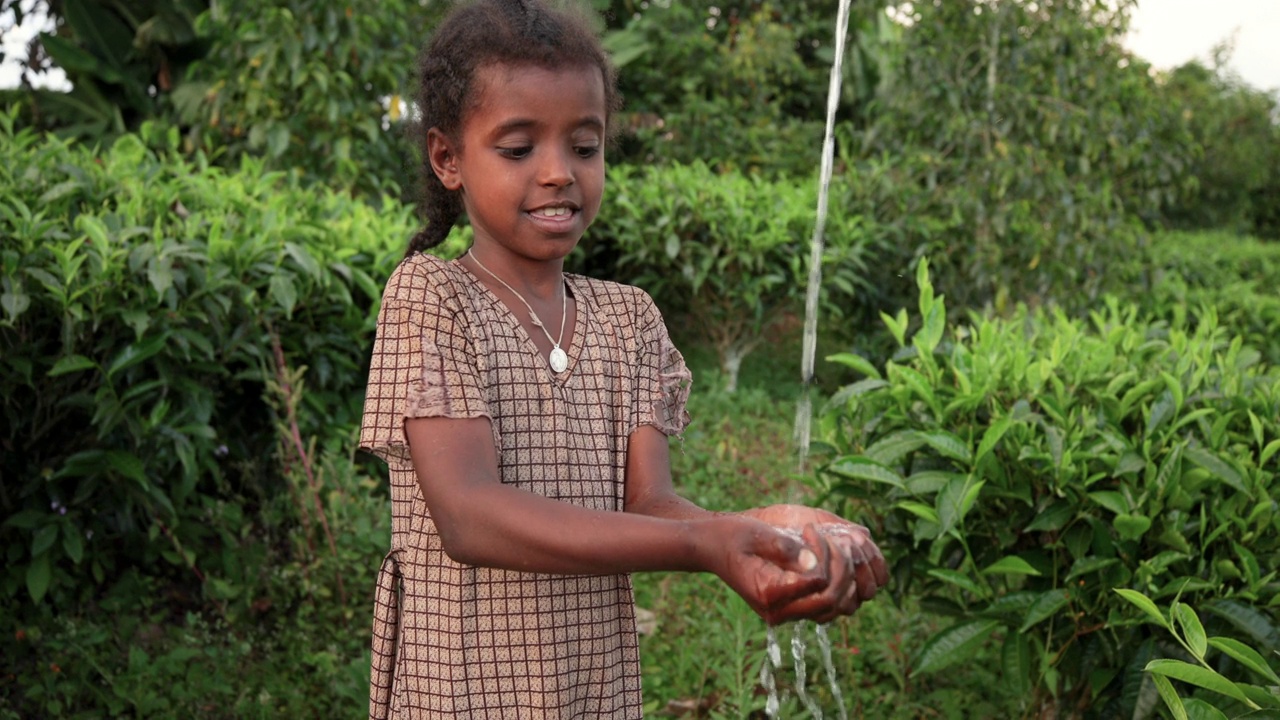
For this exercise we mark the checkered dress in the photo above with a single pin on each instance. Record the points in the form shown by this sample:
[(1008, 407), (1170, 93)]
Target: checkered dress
[(465, 641)]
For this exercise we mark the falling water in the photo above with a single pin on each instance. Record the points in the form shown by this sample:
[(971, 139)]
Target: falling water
[(824, 644), (772, 666), (797, 657), (768, 673), (804, 409)]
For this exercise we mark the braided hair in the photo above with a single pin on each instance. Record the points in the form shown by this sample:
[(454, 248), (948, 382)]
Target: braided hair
[(488, 32)]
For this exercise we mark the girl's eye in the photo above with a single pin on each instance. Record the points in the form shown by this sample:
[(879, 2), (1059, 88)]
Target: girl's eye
[(586, 151), (515, 153)]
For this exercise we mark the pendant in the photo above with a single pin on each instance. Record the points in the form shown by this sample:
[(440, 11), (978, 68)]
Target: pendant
[(559, 361)]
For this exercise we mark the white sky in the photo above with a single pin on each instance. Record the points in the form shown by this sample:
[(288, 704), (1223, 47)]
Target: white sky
[(1165, 32), (1170, 32)]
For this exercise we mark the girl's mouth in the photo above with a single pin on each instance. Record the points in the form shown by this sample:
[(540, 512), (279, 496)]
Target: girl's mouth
[(551, 212)]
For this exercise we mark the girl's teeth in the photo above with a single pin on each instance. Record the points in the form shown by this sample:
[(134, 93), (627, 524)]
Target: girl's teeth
[(552, 212)]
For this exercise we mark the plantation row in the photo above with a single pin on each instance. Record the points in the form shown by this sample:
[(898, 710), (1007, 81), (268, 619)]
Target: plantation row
[(160, 319)]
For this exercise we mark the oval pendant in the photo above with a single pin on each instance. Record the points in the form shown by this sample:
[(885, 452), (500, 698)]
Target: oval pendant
[(559, 361)]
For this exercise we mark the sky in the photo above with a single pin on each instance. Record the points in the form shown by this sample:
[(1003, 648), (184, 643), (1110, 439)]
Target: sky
[(1165, 32), (1170, 32)]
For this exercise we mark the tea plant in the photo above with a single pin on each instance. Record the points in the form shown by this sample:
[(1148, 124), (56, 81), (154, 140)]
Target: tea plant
[(1019, 469), (1240, 698)]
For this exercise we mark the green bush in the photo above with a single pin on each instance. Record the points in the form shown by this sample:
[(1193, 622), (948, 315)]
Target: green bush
[(728, 251), (145, 304), (1236, 276), (1019, 469)]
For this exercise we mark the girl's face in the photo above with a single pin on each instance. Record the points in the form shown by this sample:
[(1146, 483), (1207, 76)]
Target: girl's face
[(530, 162)]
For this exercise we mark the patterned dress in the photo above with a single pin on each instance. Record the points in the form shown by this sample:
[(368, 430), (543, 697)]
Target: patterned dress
[(453, 640)]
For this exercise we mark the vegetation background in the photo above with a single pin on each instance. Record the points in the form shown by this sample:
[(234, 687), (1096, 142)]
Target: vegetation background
[(1049, 303)]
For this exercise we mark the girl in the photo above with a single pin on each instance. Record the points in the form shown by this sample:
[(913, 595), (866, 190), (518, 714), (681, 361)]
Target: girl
[(524, 412)]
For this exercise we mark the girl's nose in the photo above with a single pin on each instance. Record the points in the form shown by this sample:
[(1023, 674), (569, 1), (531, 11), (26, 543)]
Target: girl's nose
[(556, 170)]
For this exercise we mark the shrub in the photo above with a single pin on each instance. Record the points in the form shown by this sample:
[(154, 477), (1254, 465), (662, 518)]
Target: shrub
[(1020, 469), (728, 250), (145, 302)]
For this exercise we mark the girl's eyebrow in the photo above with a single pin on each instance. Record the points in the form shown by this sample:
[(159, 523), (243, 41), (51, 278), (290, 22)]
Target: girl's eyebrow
[(594, 122)]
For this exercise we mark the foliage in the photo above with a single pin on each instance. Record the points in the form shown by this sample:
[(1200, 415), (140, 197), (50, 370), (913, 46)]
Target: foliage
[(288, 648), (728, 250), (121, 60), (1019, 469), (1185, 626), (146, 302), (1236, 130), (1026, 137), (1235, 276), (310, 84)]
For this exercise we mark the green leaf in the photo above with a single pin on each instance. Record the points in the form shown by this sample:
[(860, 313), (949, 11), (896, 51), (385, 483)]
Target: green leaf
[(955, 500), (1200, 677), (856, 467), (71, 363), (889, 450), (1246, 656), (1260, 628), (72, 544), (128, 465), (916, 382), (137, 352), (39, 573), (1010, 565), (960, 580), (1192, 629), (44, 539), (1131, 527), (947, 445), (1111, 500), (277, 139), (1271, 449), (1015, 663), (1218, 468), (956, 644), (283, 291), (1054, 517), (920, 510), (1170, 697), (991, 437), (1049, 603), (1198, 709), (857, 362)]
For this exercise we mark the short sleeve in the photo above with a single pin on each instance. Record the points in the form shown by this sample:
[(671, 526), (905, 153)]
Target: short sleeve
[(662, 378), (424, 362)]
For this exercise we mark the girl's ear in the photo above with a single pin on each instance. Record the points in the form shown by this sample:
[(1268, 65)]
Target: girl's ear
[(444, 159)]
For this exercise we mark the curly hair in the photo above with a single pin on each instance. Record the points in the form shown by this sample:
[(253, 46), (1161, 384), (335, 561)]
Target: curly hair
[(476, 35)]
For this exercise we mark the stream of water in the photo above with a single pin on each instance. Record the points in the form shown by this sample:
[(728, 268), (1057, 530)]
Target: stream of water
[(772, 667)]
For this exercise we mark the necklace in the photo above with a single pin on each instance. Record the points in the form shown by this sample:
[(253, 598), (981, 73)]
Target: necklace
[(557, 358)]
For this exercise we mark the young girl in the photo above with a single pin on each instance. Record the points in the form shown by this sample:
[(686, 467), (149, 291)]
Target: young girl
[(524, 412)]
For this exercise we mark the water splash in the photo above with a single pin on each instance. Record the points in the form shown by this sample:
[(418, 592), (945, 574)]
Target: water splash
[(768, 673), (824, 645), (804, 409), (797, 658)]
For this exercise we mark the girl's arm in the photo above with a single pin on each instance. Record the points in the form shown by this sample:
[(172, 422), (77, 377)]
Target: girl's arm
[(483, 522)]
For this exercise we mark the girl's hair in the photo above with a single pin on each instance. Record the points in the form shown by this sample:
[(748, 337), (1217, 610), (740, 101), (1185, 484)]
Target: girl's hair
[(479, 34)]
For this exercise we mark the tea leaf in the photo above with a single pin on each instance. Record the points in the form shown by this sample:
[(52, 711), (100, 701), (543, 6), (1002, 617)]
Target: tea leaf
[(991, 437), (857, 362), (1261, 629), (920, 510), (284, 292), (947, 445), (1200, 677), (1218, 468), (1146, 605), (1170, 697), (38, 575), (71, 363), (1048, 604), (890, 449), (1246, 656), (1111, 500), (1192, 630), (1270, 450), (1131, 527), (960, 580), (1198, 709), (135, 353), (955, 644), (73, 545), (1010, 565), (1015, 662), (863, 468)]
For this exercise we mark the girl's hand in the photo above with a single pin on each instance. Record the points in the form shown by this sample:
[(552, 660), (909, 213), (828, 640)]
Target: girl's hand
[(770, 569), (856, 571)]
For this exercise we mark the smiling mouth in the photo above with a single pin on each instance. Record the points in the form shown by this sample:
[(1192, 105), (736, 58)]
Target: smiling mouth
[(551, 212)]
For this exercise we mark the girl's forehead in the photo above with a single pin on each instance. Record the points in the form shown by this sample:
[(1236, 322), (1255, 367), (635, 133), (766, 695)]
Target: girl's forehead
[(507, 85)]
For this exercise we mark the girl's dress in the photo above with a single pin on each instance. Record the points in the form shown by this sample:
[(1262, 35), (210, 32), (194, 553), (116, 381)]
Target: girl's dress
[(459, 640)]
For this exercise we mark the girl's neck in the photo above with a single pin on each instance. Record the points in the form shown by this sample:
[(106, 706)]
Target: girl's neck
[(534, 279)]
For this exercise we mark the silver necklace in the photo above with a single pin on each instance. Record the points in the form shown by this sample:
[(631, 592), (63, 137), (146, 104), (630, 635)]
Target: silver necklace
[(557, 359)]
